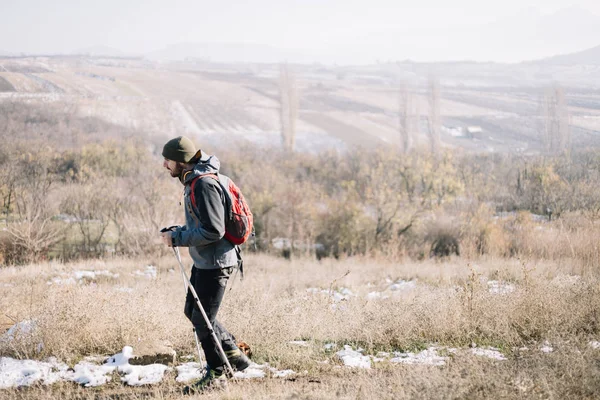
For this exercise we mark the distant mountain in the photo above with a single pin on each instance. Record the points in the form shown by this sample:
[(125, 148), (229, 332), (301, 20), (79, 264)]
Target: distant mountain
[(102, 51), (229, 52), (589, 56)]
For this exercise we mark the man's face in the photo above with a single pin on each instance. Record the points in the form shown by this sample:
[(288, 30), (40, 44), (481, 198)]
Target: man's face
[(173, 167)]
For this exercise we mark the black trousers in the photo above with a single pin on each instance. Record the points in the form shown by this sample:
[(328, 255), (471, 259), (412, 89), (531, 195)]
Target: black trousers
[(210, 286)]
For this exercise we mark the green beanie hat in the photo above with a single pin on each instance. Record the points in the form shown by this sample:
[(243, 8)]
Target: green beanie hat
[(180, 149)]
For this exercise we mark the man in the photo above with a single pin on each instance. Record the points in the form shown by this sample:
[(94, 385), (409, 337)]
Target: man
[(214, 256)]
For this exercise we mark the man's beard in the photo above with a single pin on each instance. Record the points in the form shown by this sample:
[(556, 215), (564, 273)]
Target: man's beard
[(176, 172)]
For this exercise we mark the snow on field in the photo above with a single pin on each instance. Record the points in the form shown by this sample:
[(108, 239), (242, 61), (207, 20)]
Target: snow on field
[(189, 371), (17, 373), (80, 276), (546, 348), (138, 375), (402, 284), (329, 346), (62, 281), (354, 358), (396, 287), (595, 345), (302, 343), (431, 356), (489, 352), (376, 296), (336, 295), (260, 371), (149, 271), (392, 288), (427, 357)]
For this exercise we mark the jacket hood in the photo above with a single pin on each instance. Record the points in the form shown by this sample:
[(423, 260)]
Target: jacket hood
[(206, 165)]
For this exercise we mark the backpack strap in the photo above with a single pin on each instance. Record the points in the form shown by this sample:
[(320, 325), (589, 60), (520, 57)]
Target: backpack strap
[(193, 184)]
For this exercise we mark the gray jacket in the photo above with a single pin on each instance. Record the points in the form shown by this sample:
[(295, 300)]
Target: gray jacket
[(205, 220)]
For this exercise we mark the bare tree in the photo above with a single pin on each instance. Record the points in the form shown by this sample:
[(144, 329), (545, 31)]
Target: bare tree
[(32, 230), (288, 102), (404, 117), (434, 121), (555, 132), (90, 205)]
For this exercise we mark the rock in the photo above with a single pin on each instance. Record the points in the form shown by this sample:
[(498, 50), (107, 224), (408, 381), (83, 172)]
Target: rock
[(153, 352)]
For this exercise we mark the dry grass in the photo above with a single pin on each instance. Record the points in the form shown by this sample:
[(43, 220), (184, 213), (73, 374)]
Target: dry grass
[(450, 306)]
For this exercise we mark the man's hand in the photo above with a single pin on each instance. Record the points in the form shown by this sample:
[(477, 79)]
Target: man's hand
[(166, 237)]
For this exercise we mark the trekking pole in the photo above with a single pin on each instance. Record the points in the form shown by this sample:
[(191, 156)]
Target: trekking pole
[(208, 324), (185, 288)]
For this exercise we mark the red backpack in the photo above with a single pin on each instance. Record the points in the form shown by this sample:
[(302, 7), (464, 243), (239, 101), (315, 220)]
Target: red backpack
[(238, 217)]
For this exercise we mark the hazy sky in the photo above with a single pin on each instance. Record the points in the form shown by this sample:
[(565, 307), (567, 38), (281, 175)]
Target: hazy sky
[(344, 30)]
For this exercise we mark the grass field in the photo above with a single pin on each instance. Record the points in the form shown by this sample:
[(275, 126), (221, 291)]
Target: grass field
[(542, 318)]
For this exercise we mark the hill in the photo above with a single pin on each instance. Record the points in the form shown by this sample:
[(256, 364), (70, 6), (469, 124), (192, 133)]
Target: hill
[(339, 107), (585, 57)]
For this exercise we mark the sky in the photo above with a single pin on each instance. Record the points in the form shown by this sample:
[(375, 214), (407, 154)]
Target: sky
[(341, 31)]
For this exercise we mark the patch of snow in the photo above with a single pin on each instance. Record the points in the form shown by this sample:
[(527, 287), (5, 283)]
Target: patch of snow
[(301, 343), (16, 373), (92, 275), (121, 358), (189, 371), (61, 281), (498, 287), (426, 357), (454, 131), (254, 371), (192, 370), (376, 296), (354, 359), (490, 352), (329, 346), (81, 275), (546, 348), (138, 375), (284, 373), (594, 344), (90, 375), (336, 295), (401, 284), (149, 272)]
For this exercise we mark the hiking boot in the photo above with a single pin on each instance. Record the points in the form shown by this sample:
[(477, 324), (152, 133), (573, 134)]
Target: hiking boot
[(238, 360), (212, 379)]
